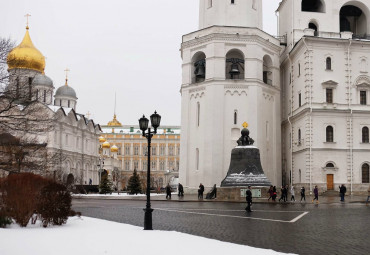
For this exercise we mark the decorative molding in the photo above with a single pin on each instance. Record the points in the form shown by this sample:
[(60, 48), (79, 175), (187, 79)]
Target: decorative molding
[(362, 81), (268, 96), (197, 89), (238, 92)]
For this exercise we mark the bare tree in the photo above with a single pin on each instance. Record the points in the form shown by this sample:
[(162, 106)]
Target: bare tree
[(28, 155), (5, 46)]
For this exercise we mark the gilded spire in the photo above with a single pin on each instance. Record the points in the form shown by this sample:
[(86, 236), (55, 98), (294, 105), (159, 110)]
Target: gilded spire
[(67, 70)]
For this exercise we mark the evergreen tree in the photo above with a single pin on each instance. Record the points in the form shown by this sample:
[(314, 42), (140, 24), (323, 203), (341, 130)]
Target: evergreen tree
[(105, 185), (134, 184)]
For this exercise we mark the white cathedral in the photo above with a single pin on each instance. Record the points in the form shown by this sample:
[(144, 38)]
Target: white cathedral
[(303, 93), (74, 136)]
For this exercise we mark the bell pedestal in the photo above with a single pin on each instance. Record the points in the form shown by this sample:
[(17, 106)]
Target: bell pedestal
[(245, 168)]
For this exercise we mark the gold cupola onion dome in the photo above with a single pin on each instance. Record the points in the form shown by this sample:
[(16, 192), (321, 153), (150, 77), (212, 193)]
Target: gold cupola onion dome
[(106, 145), (114, 148), (26, 56), (101, 139), (114, 122)]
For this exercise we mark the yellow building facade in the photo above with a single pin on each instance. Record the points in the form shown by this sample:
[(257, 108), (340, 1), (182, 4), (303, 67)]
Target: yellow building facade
[(128, 147)]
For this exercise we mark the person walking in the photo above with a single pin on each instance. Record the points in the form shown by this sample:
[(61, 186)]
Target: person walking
[(292, 193), (303, 194), (282, 195), (181, 190), (286, 193), (271, 193), (168, 191), (248, 197), (275, 194), (316, 193), (200, 191), (368, 195), (342, 192)]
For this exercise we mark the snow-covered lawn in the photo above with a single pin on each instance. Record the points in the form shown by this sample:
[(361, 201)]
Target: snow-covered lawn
[(95, 237)]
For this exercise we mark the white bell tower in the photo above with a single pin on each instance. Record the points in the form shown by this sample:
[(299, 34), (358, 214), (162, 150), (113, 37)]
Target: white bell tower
[(230, 74), (238, 13)]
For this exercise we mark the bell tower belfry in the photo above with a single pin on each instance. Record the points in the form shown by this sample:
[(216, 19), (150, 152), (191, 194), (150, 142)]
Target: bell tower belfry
[(230, 74), (241, 13)]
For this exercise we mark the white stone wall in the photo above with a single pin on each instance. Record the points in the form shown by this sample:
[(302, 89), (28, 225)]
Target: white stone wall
[(219, 97), (243, 13)]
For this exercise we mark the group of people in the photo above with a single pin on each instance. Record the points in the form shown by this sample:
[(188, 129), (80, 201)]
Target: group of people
[(284, 193)]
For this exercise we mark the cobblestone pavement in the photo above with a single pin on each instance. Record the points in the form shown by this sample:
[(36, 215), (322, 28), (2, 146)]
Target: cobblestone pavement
[(295, 228)]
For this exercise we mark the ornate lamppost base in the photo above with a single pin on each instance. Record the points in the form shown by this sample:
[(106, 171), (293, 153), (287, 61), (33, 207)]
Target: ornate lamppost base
[(148, 219)]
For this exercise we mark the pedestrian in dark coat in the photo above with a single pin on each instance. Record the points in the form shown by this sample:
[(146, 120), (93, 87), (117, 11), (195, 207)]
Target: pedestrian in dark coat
[(181, 190), (282, 197), (342, 192), (275, 194), (303, 194), (200, 191), (316, 193), (248, 197), (168, 191), (271, 193)]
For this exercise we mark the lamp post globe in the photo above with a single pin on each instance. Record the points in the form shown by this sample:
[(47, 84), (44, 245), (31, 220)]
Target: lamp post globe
[(155, 119), (143, 123)]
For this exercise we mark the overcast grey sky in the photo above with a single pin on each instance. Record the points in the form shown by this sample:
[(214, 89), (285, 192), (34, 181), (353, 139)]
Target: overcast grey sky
[(122, 46)]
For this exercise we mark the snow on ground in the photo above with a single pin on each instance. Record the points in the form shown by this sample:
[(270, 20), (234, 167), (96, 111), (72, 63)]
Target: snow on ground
[(95, 237)]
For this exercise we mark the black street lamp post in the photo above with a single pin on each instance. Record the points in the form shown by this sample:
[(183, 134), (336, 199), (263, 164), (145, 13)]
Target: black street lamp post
[(155, 119)]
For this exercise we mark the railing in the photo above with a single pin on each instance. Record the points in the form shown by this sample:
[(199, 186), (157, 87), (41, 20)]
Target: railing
[(363, 37), (282, 39)]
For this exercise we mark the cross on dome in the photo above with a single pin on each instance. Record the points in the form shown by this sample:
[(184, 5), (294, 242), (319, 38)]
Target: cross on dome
[(66, 70), (27, 15)]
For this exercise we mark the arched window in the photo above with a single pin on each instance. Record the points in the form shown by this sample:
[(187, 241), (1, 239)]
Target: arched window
[(365, 135), (199, 67), (330, 165), (353, 19), (313, 26), (328, 63), (234, 65), (313, 6), (365, 173), (198, 114), (235, 117), (267, 70), (329, 134)]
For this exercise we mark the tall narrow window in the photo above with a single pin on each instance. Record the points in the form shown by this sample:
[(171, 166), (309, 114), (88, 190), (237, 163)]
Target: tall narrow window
[(329, 134), (37, 94), (328, 63), (235, 117), (299, 69), (198, 114), (209, 3), (17, 88), (365, 173), (299, 100), (44, 96), (329, 96), (69, 103), (299, 136), (365, 135), (197, 158), (363, 99)]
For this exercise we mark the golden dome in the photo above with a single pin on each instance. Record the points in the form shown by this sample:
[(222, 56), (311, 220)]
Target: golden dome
[(114, 148), (114, 122), (26, 56), (101, 139), (106, 145)]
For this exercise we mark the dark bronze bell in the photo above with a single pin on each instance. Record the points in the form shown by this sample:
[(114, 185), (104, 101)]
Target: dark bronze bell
[(234, 70), (200, 71)]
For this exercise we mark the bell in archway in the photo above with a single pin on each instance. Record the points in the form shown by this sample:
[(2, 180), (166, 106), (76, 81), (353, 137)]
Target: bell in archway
[(200, 71), (234, 70)]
